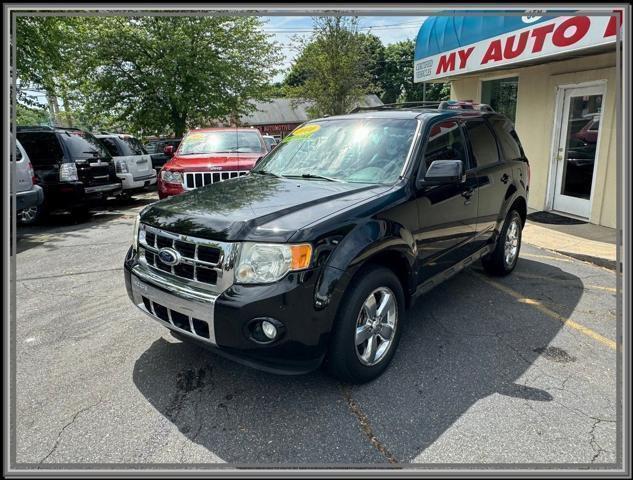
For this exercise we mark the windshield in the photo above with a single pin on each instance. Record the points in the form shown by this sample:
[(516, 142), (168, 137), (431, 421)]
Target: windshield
[(225, 141), (367, 150)]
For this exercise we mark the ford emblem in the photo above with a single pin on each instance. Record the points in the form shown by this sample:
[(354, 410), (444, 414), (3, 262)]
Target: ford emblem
[(169, 256)]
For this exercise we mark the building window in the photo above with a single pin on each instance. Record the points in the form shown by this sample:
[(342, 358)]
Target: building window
[(501, 95)]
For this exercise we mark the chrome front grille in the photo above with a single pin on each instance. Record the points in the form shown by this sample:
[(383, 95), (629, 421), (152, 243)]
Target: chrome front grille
[(200, 179), (206, 264)]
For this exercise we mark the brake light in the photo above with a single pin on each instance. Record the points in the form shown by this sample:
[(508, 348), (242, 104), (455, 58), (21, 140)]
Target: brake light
[(68, 172), (32, 173), (529, 174)]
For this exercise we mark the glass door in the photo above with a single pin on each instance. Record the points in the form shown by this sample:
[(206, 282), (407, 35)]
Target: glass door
[(577, 149)]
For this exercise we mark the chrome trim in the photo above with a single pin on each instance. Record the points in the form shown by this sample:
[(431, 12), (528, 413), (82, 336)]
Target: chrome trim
[(102, 188), (223, 267), (418, 131), (184, 300), (192, 177)]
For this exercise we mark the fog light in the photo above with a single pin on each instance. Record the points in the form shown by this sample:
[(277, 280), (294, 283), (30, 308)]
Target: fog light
[(269, 329)]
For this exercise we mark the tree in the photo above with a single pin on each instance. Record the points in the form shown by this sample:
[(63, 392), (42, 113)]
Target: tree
[(160, 74), (373, 60), (331, 71), (31, 116), (397, 79)]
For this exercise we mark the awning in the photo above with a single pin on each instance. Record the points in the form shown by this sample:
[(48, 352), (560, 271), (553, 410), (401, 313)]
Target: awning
[(452, 45)]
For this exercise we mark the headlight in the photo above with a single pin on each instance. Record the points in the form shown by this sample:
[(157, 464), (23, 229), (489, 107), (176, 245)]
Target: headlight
[(137, 224), (269, 262), (170, 176), (121, 166)]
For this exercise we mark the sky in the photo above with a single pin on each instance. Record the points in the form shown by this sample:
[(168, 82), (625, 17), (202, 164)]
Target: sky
[(388, 29)]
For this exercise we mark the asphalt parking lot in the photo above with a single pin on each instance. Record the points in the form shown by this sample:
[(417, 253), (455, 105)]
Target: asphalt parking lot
[(486, 372)]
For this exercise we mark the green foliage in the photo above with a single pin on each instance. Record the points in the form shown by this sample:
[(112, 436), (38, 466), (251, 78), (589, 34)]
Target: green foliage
[(164, 74), (31, 116), (331, 70), (397, 77)]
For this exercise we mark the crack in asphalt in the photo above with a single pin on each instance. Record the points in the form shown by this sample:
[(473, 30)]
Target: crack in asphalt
[(593, 443), (61, 432), (70, 274), (365, 425)]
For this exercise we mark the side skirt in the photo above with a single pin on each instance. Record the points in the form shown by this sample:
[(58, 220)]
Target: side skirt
[(448, 273)]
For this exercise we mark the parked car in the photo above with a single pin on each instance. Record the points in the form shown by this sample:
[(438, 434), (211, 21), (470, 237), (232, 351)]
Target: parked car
[(133, 165), (210, 155), (315, 256), (72, 166), (271, 142), (162, 150), (28, 195)]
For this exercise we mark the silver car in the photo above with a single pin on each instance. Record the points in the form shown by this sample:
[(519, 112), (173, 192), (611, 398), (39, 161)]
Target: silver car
[(133, 163), (28, 196)]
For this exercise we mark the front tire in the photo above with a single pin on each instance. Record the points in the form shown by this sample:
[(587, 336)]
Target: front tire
[(368, 326), (502, 260)]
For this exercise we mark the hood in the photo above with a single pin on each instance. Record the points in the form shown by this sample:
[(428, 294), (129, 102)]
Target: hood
[(213, 162), (255, 207)]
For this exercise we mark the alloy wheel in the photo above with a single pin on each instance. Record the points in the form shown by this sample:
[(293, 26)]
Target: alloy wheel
[(376, 326)]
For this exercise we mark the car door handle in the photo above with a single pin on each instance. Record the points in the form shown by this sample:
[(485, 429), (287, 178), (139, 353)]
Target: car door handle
[(505, 178), (467, 194)]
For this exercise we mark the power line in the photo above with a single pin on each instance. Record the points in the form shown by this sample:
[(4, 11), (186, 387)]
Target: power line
[(369, 27)]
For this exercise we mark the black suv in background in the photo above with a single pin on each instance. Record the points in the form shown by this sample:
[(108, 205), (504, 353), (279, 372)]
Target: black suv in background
[(315, 255), (156, 149), (71, 165)]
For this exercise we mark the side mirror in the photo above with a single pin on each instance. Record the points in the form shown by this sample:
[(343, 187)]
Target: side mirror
[(169, 150), (443, 172)]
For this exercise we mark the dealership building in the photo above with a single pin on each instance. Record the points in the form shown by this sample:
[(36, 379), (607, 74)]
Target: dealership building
[(556, 78)]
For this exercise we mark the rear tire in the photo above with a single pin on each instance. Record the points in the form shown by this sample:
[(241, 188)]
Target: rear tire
[(31, 215), (503, 259), (368, 325)]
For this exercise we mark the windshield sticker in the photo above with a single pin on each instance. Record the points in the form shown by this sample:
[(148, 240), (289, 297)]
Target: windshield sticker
[(303, 132), (195, 136)]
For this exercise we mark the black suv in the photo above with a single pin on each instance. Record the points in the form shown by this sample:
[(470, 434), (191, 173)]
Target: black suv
[(317, 253), (156, 149), (72, 166)]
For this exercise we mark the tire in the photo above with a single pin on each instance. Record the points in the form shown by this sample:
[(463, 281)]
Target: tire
[(497, 263), (31, 215), (349, 361), (81, 214)]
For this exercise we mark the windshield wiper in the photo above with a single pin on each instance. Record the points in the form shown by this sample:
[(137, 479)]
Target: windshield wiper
[(267, 172), (312, 175)]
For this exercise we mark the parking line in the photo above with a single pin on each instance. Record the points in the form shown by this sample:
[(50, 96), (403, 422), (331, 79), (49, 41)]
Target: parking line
[(550, 313), (562, 280), (546, 257)]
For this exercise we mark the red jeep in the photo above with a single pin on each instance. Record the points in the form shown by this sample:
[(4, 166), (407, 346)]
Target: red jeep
[(210, 155)]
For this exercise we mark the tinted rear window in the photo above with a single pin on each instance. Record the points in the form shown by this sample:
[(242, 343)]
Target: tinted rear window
[(482, 143), (83, 145), (134, 146), (507, 137), (113, 147), (43, 148)]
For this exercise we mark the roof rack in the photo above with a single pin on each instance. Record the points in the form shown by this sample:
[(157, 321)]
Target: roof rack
[(22, 128), (394, 106), (439, 105)]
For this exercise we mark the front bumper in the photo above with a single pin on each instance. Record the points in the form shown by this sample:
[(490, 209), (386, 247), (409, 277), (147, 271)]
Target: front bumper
[(29, 198), (219, 322)]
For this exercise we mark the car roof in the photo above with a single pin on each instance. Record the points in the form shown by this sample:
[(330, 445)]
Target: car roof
[(223, 129), (401, 114)]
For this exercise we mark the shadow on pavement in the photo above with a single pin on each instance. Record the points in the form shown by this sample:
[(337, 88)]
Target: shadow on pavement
[(67, 225), (463, 341)]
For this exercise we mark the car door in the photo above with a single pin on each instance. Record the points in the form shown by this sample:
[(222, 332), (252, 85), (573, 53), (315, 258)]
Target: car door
[(45, 153), (447, 214), (494, 176)]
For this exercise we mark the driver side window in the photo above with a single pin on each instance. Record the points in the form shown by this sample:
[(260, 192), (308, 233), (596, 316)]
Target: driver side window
[(445, 142)]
